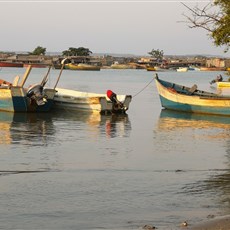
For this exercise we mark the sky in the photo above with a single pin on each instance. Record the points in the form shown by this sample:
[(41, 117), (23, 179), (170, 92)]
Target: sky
[(119, 26)]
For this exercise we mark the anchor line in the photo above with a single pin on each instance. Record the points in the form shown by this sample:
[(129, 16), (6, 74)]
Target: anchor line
[(143, 88)]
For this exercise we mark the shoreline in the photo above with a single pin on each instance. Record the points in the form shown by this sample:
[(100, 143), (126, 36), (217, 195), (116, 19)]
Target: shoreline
[(218, 223)]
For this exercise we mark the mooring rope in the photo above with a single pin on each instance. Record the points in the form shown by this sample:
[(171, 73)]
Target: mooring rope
[(143, 88)]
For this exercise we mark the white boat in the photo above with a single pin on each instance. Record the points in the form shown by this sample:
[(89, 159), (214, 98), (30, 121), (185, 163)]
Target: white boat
[(193, 68), (109, 103), (182, 69)]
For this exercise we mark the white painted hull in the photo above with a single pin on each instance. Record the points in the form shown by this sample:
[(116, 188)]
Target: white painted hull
[(182, 69), (76, 100)]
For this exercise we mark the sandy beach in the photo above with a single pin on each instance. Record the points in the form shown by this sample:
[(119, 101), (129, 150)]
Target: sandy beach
[(220, 223)]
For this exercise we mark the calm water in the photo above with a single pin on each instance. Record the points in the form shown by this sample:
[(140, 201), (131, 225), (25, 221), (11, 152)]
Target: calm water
[(86, 171)]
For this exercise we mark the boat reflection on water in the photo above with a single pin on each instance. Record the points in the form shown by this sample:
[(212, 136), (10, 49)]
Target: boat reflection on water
[(28, 129), (5, 125), (43, 128), (173, 121), (115, 125), (206, 132)]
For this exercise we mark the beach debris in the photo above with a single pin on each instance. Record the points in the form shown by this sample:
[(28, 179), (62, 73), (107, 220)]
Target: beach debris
[(184, 224), (210, 216), (149, 227)]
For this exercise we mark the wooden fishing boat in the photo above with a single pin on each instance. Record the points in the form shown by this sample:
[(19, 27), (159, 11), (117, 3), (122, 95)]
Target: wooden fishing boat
[(223, 84), (190, 99), (67, 99), (156, 68), (10, 64), (219, 82), (82, 66), (15, 97), (150, 68)]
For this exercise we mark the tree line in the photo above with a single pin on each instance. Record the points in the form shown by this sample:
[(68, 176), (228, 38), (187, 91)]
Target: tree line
[(81, 51)]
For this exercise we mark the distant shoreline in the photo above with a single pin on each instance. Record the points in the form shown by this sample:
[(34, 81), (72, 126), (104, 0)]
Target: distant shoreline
[(55, 53)]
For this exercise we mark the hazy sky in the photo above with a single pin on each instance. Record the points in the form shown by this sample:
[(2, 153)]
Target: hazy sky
[(134, 27)]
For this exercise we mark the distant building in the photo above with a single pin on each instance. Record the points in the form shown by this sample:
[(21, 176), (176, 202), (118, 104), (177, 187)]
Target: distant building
[(215, 62)]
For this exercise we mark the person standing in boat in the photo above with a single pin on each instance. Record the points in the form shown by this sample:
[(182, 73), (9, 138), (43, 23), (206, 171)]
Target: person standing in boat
[(218, 78)]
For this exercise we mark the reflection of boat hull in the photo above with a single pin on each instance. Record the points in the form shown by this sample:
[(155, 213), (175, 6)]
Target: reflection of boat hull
[(181, 98), (167, 113), (33, 123), (172, 120), (76, 100)]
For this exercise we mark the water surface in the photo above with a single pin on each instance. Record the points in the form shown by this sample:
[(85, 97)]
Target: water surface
[(75, 170)]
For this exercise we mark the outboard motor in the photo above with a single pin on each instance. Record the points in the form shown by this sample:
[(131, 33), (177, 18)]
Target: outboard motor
[(117, 105), (36, 94), (112, 96)]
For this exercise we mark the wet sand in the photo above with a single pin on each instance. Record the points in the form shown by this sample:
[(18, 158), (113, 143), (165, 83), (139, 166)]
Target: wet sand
[(220, 223)]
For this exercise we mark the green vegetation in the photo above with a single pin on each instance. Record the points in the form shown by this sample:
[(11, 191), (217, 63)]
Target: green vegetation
[(158, 54), (214, 18), (81, 51), (39, 51)]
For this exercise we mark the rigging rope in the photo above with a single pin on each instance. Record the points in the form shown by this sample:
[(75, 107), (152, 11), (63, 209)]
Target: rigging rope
[(143, 88)]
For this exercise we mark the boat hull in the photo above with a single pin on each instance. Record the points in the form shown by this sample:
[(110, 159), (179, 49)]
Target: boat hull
[(150, 68), (13, 100), (223, 84), (209, 104), (33, 107), (185, 69), (76, 100), (10, 64), (82, 67)]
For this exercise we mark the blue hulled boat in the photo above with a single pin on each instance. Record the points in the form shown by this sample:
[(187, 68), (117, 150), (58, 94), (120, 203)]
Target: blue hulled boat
[(14, 97), (190, 99)]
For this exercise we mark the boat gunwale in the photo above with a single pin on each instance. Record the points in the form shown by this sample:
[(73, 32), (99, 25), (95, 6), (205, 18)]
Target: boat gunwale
[(199, 93)]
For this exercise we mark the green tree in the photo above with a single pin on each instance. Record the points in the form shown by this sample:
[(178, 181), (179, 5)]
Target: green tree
[(158, 54), (214, 18), (39, 51), (81, 51)]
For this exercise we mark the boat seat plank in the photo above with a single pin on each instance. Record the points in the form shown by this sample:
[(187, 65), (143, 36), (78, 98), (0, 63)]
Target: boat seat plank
[(192, 89)]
